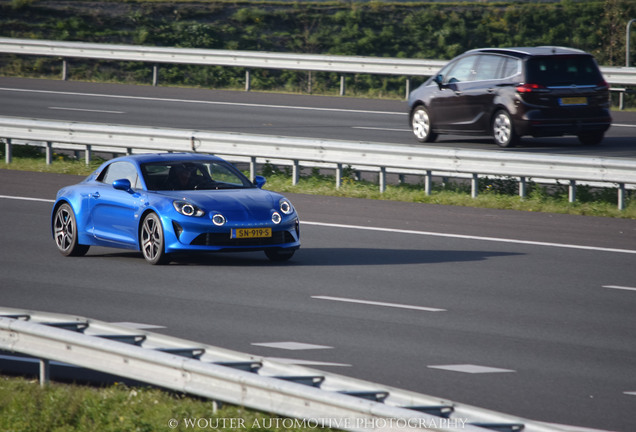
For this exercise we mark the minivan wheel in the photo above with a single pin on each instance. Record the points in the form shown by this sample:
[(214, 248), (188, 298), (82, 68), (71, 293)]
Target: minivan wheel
[(503, 130), (591, 138), (421, 125)]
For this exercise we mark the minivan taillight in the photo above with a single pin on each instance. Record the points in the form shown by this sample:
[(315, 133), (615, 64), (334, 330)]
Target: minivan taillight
[(529, 88), (603, 85)]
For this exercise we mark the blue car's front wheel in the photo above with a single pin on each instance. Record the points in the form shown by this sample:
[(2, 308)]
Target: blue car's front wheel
[(65, 232), (152, 240)]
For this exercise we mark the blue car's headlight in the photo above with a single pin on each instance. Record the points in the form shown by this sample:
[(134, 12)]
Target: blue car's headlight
[(187, 209), (285, 206)]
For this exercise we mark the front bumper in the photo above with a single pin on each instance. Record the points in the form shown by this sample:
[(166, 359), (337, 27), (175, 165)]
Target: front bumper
[(199, 235)]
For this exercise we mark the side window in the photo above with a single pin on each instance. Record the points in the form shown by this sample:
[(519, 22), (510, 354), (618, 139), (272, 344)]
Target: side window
[(462, 71), (510, 67), (488, 67), (119, 170)]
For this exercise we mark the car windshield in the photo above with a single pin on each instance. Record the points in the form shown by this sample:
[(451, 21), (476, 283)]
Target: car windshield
[(193, 175), (554, 71)]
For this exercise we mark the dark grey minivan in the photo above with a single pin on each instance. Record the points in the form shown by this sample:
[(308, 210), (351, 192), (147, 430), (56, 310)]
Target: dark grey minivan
[(511, 92)]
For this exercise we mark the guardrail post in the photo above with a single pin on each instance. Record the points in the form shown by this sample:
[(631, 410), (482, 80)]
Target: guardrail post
[(338, 175), (49, 152), (621, 100), (428, 182), (408, 88), (87, 154), (155, 75), (8, 151), (621, 196), (295, 173), (64, 69), (629, 25), (523, 187), (572, 191), (382, 179), (248, 80), (474, 185), (342, 85), (252, 168), (44, 372)]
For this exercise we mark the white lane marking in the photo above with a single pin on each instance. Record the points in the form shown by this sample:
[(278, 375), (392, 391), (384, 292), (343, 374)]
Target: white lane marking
[(381, 129), (27, 198), (620, 287), (143, 98), (306, 362), (624, 125), (292, 346), (138, 326), (86, 110), (424, 233), (376, 303), (470, 368), (470, 237), (630, 393)]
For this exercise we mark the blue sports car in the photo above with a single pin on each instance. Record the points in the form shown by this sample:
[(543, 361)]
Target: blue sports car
[(168, 202)]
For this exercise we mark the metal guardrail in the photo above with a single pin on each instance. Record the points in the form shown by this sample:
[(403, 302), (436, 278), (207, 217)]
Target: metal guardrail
[(254, 59), (209, 57), (335, 153), (316, 397)]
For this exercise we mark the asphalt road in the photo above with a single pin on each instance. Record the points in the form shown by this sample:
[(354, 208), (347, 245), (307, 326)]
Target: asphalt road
[(264, 113), (538, 311)]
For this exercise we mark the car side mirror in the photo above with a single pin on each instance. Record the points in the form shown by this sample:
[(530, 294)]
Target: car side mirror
[(259, 181), (439, 80), (122, 184)]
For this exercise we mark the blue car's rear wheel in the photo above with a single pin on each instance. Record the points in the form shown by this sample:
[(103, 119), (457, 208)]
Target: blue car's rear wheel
[(152, 240), (65, 232)]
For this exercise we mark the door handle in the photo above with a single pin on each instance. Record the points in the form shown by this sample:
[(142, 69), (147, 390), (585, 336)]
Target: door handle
[(96, 195)]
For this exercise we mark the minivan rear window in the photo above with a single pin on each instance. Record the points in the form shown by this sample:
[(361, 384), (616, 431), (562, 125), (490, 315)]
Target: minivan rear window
[(555, 71)]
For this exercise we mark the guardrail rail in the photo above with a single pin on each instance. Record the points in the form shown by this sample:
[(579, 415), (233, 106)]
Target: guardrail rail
[(319, 398), (359, 155), (256, 59)]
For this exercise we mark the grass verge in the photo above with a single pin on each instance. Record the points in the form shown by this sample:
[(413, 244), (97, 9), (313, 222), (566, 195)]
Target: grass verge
[(496, 192), (27, 407)]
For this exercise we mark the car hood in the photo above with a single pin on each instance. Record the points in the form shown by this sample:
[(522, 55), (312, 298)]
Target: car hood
[(234, 204)]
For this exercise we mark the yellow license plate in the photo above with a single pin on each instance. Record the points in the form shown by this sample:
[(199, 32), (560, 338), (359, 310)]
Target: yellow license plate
[(241, 233), (574, 101)]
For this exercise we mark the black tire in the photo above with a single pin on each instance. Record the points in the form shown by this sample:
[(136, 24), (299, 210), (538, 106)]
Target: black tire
[(152, 241), (421, 125), (279, 255), (591, 138), (503, 130), (65, 232)]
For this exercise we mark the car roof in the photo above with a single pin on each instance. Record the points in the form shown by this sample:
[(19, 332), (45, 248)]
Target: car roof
[(530, 51), (166, 157)]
